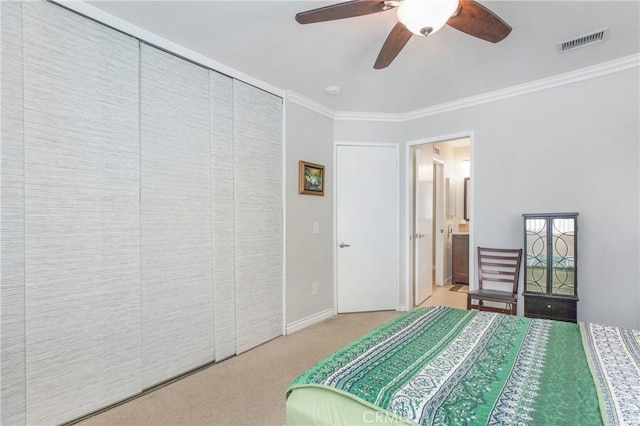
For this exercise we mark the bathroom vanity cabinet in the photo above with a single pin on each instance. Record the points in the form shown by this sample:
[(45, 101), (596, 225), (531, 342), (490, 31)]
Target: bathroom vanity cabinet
[(460, 258)]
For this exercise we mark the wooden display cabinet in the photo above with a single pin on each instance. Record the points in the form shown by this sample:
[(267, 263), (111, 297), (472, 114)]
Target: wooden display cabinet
[(551, 266)]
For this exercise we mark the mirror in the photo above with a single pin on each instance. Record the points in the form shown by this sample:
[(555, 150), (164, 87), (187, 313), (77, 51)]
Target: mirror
[(467, 205)]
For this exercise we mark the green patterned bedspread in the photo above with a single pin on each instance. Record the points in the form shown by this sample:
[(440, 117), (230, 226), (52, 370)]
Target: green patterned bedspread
[(455, 367)]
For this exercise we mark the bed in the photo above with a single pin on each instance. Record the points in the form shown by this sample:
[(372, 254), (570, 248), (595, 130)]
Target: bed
[(449, 366)]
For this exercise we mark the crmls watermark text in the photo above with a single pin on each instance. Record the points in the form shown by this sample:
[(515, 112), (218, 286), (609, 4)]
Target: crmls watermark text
[(374, 417)]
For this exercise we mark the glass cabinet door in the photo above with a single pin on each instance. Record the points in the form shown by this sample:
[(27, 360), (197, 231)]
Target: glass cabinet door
[(550, 254), (563, 277), (536, 255)]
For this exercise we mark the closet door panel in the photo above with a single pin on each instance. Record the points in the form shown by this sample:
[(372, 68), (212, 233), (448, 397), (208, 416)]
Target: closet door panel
[(12, 315), (177, 287), (258, 215), (82, 246), (221, 88)]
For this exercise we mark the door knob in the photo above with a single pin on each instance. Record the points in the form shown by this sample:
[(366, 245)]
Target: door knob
[(343, 245)]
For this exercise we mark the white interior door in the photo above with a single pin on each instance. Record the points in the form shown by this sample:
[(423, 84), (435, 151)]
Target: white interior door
[(438, 223), (367, 228), (423, 223)]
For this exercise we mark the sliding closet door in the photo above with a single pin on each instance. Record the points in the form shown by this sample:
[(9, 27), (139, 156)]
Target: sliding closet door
[(177, 289), (12, 360), (258, 215), (221, 89), (82, 246)]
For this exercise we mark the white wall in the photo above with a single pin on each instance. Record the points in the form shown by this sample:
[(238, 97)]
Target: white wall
[(369, 131), (309, 137), (570, 148)]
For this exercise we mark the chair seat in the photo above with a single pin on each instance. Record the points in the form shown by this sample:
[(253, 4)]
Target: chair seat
[(493, 295)]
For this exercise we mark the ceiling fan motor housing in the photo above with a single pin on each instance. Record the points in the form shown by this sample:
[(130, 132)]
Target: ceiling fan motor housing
[(426, 17)]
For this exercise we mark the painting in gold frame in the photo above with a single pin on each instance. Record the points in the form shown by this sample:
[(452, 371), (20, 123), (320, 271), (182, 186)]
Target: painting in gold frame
[(310, 178)]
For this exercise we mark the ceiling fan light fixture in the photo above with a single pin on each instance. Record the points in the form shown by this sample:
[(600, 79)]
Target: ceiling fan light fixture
[(424, 17)]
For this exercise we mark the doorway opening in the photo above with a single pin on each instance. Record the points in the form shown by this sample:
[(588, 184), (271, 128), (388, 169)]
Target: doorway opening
[(437, 211)]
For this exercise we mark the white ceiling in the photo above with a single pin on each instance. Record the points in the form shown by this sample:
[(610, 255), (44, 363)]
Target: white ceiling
[(262, 39)]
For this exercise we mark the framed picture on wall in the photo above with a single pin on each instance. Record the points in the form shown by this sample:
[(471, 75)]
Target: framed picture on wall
[(310, 178)]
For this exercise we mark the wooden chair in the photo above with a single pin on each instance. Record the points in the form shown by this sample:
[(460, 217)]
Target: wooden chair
[(501, 269)]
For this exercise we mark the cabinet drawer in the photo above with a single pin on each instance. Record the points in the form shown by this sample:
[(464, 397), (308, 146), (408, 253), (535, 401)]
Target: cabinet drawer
[(550, 307)]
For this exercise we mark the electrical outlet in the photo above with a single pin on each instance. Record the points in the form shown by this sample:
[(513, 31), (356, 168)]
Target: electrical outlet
[(314, 288)]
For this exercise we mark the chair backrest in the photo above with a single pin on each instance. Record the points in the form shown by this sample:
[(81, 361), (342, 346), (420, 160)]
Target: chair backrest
[(497, 265)]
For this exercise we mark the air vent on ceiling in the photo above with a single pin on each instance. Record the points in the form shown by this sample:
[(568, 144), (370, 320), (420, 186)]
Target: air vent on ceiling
[(583, 41)]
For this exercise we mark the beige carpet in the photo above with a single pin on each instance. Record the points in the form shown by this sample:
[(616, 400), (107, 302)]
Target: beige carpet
[(247, 389)]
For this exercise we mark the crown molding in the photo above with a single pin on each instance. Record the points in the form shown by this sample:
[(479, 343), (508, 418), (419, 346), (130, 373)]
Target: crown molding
[(594, 71), (303, 101), (92, 12), (394, 117)]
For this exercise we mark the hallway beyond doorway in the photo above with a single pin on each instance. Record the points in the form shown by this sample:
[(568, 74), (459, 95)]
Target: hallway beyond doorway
[(443, 297)]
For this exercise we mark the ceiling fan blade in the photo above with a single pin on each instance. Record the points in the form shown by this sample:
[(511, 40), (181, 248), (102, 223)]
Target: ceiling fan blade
[(342, 10), (476, 20), (397, 38)]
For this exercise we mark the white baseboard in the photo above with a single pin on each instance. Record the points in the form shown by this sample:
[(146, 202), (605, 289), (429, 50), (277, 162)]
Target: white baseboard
[(402, 308), (310, 320)]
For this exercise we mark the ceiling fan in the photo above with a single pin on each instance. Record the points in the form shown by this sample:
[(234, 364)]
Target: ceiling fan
[(419, 17)]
